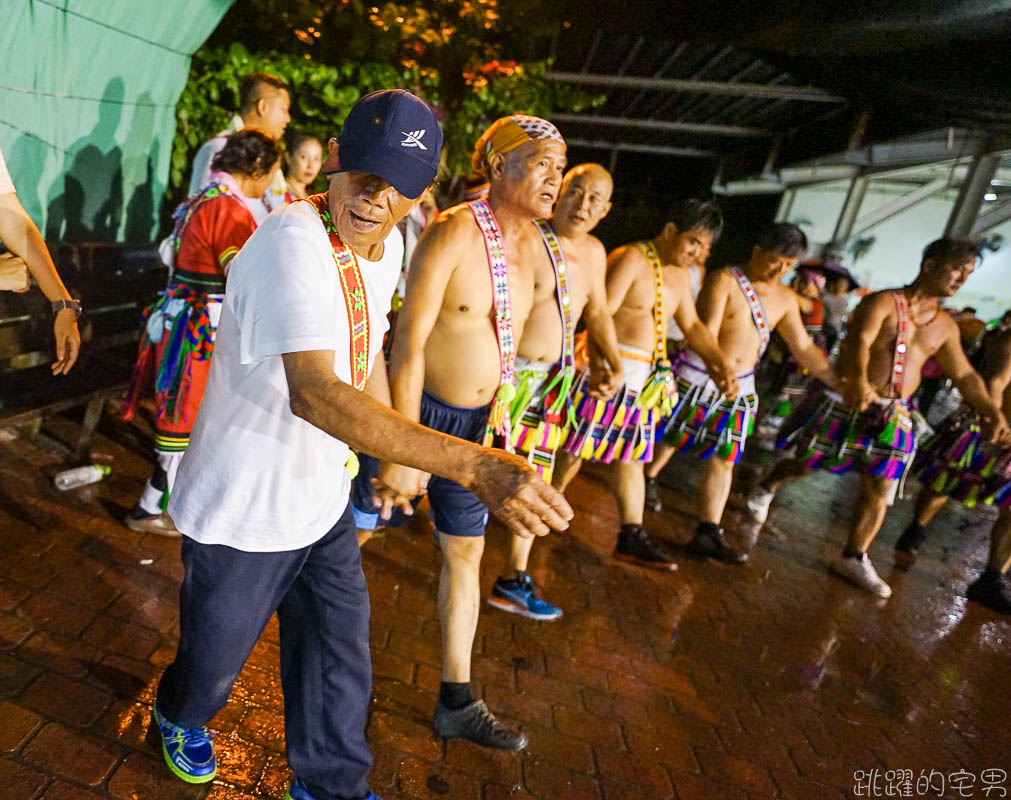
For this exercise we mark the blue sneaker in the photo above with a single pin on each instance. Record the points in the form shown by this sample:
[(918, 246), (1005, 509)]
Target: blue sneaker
[(297, 791), (520, 596), (189, 752)]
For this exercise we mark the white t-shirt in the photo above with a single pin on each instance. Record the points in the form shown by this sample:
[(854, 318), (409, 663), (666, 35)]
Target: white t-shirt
[(255, 476), (6, 184)]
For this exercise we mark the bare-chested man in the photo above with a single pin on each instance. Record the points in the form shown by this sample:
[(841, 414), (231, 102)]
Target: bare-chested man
[(742, 306), (890, 336), (643, 286), (958, 464), (573, 280), (469, 294)]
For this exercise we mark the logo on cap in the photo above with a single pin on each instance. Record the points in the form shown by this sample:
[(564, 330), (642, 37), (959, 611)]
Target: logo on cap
[(413, 139)]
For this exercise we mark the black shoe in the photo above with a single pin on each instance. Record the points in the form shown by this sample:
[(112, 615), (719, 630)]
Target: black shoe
[(710, 544), (990, 590), (908, 545), (475, 722), (635, 547), (653, 502)]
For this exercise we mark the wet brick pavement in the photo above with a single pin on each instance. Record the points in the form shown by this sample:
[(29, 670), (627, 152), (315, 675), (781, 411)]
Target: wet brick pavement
[(769, 680)]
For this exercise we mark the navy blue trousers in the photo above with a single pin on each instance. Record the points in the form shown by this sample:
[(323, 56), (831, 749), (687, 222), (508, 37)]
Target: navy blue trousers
[(319, 593)]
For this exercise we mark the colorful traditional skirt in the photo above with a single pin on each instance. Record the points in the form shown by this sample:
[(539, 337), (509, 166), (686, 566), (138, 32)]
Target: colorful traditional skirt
[(828, 434), (176, 347), (619, 428), (704, 422), (541, 413), (959, 463)]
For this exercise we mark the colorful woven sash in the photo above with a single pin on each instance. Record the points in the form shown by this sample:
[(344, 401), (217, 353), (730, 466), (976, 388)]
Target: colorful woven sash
[(498, 419), (187, 209), (757, 311), (660, 389), (555, 409), (353, 288)]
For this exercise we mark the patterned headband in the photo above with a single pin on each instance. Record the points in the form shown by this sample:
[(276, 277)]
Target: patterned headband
[(507, 134)]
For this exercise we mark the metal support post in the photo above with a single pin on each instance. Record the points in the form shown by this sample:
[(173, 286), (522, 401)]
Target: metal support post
[(970, 196), (786, 205), (849, 212)]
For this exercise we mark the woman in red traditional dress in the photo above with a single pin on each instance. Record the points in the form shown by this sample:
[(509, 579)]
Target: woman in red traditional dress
[(178, 340)]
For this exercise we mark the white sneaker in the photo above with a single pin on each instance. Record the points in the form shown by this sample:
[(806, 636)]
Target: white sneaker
[(758, 503), (860, 572)]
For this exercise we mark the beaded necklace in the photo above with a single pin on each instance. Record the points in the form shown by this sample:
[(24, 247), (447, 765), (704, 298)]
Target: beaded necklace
[(757, 310), (659, 315)]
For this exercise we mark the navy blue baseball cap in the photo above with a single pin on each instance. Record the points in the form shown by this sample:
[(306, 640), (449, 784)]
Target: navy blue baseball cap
[(395, 135)]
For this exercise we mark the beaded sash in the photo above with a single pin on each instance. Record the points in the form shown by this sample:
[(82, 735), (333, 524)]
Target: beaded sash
[(498, 418), (565, 375), (757, 311), (353, 288), (660, 389), (901, 343)]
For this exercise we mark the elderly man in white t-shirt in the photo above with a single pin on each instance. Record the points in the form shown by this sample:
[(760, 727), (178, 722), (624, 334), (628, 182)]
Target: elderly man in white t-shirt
[(261, 496), (24, 251)]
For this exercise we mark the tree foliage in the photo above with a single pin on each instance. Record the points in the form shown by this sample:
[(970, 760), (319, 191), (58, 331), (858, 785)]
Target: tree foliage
[(450, 52)]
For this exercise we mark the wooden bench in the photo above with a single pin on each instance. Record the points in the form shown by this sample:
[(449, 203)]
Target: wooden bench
[(114, 282)]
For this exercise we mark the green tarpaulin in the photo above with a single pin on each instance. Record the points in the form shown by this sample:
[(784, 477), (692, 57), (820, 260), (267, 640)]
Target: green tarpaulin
[(88, 90)]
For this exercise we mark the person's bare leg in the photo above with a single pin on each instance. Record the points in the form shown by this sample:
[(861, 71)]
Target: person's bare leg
[(928, 504), (364, 536), (717, 477), (662, 453), (990, 589), (458, 715), (1000, 544), (519, 555), (629, 491), (872, 505), (566, 468), (784, 471), (853, 564), (459, 601)]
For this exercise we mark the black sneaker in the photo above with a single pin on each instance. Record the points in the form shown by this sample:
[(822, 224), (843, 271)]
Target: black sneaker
[(990, 590), (635, 547), (711, 544), (475, 722), (908, 546), (653, 502)]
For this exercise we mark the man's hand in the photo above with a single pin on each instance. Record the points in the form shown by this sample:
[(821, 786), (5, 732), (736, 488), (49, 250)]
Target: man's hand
[(724, 378), (513, 493), (68, 341), (14, 275), (396, 486), (995, 429), (858, 393), (604, 381)]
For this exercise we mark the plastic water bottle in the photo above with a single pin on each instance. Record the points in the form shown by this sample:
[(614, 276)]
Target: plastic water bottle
[(81, 476)]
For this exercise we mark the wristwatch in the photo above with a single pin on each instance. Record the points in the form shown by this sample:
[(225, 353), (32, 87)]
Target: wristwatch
[(59, 305)]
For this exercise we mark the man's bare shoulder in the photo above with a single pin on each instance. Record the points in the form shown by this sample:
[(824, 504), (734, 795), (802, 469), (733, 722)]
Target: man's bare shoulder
[(626, 255), (458, 222)]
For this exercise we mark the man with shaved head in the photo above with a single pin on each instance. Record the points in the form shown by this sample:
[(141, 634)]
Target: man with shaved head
[(470, 290), (571, 281)]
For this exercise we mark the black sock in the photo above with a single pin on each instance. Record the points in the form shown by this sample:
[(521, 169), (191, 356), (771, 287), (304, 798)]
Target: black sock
[(852, 552), (455, 695), (514, 583), (710, 529)]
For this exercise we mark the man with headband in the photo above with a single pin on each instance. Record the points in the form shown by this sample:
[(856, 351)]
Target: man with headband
[(469, 294), (261, 496), (644, 288), (571, 281)]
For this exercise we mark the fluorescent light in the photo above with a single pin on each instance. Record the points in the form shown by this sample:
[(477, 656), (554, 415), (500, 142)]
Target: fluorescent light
[(990, 197)]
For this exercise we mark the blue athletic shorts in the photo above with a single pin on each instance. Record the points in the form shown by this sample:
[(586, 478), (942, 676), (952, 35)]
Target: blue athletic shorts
[(455, 510)]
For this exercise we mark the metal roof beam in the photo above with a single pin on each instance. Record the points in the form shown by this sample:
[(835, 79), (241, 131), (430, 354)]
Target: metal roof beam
[(809, 94), (662, 125), (991, 218), (898, 205), (629, 147)]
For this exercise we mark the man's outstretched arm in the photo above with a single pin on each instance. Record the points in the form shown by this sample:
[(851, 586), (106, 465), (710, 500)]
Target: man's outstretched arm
[(503, 482)]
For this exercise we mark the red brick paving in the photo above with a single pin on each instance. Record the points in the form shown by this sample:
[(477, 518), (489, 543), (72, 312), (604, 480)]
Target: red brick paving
[(769, 681)]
